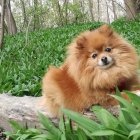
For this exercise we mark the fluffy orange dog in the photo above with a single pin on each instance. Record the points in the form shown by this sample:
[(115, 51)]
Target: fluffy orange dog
[(97, 61)]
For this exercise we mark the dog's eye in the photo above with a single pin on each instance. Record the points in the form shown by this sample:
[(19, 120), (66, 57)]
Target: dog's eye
[(108, 49), (94, 55)]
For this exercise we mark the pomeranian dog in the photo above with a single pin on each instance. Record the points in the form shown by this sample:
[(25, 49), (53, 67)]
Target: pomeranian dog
[(97, 61)]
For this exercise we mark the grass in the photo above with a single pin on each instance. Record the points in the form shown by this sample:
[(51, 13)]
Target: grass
[(26, 57)]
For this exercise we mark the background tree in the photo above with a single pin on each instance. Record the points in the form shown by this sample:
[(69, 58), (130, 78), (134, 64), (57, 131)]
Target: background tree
[(107, 12), (138, 6), (114, 9), (132, 8), (36, 14), (11, 24), (90, 2), (65, 7), (2, 3), (98, 2), (25, 21)]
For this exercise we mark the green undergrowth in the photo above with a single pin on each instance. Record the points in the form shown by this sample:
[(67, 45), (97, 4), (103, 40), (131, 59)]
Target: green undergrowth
[(130, 30), (26, 56), (106, 127)]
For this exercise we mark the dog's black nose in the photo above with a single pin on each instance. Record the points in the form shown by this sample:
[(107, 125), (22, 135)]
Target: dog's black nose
[(104, 60)]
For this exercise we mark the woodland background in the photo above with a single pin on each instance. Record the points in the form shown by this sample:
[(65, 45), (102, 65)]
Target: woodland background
[(22, 15), (34, 34)]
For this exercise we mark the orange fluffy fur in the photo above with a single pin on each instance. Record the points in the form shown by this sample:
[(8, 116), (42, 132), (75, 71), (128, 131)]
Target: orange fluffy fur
[(80, 82)]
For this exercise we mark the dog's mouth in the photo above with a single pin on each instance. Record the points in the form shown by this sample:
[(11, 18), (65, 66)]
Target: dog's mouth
[(106, 62)]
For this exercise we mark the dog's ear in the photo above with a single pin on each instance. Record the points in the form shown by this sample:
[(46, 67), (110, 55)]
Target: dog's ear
[(80, 41), (106, 30)]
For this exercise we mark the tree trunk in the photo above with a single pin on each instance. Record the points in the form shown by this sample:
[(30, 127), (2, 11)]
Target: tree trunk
[(36, 16), (41, 17), (11, 24), (66, 11), (5, 28), (138, 6), (98, 2), (131, 8), (114, 10), (25, 21), (90, 3), (59, 13), (107, 11), (2, 23), (82, 7)]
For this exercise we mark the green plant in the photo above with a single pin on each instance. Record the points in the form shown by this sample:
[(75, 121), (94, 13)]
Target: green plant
[(107, 127), (129, 29), (125, 127), (21, 133), (64, 131)]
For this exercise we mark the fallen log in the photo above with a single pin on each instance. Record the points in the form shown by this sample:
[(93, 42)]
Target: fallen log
[(25, 111)]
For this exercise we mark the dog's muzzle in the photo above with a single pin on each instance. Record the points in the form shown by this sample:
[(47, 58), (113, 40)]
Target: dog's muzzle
[(105, 62)]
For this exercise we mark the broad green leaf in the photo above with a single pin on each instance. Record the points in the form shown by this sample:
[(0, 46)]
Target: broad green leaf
[(49, 125), (108, 132), (86, 123), (126, 104), (24, 136), (81, 134), (134, 98), (43, 137), (132, 118), (134, 132), (105, 117), (125, 120), (63, 137), (39, 139), (138, 126), (103, 133), (136, 137), (33, 130), (109, 121), (68, 125), (62, 128), (16, 125), (62, 125)]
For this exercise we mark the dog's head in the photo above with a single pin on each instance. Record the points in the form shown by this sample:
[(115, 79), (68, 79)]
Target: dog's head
[(101, 58)]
